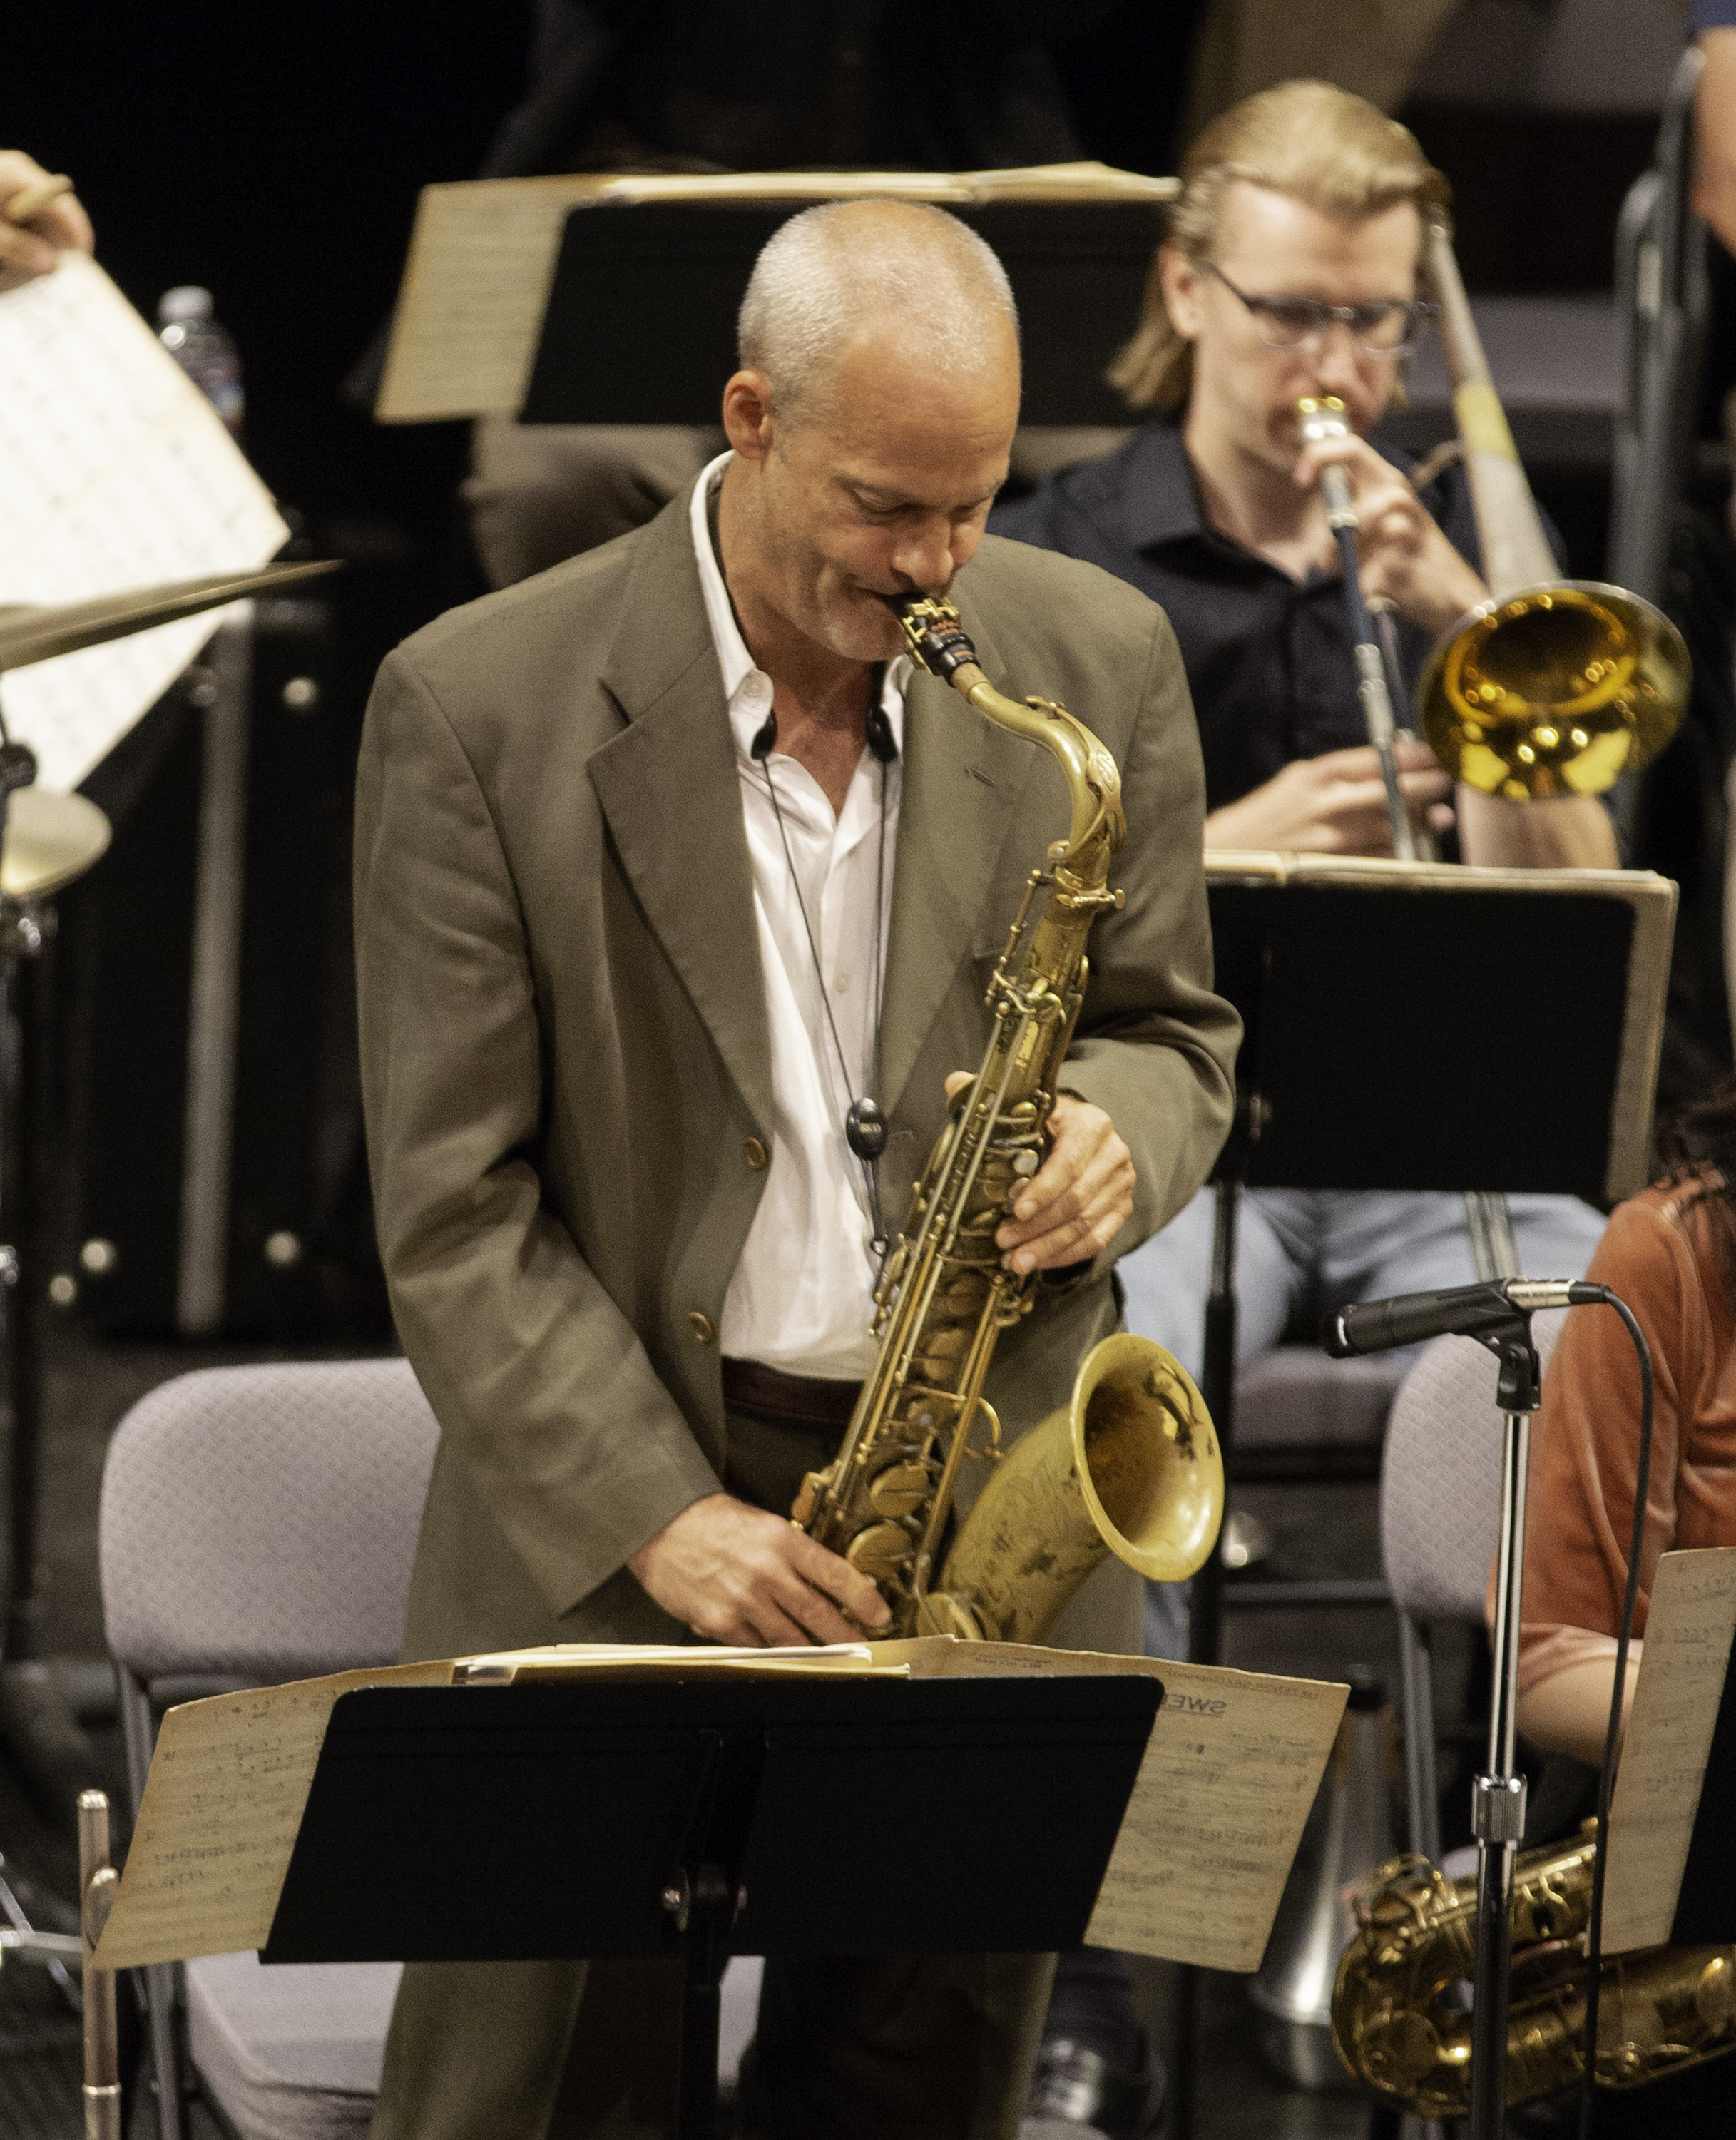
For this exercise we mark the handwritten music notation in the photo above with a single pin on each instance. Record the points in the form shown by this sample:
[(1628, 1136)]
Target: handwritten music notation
[(1228, 1776), (1687, 1640), (116, 473), (1230, 1773)]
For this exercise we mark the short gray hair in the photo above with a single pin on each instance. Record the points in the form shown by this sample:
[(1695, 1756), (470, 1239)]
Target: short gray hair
[(830, 269)]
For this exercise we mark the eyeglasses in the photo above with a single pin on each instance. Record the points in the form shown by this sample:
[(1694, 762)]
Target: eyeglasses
[(1386, 328)]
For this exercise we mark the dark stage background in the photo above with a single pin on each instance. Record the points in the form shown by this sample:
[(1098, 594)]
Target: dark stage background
[(274, 155)]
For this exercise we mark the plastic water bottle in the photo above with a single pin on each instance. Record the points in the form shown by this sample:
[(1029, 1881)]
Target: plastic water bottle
[(202, 347)]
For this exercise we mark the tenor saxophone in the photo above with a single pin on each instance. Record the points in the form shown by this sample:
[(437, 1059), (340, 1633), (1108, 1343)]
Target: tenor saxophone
[(1130, 1465), (1402, 2023)]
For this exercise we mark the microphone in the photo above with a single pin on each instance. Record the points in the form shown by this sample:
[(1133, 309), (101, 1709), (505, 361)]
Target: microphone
[(1468, 1311), (764, 737), (880, 734)]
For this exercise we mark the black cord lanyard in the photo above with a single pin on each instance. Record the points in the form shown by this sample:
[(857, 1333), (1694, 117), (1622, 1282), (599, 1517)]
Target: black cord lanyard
[(865, 1125)]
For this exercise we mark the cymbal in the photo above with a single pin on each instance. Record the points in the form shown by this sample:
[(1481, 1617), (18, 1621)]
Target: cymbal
[(39, 632), (50, 839)]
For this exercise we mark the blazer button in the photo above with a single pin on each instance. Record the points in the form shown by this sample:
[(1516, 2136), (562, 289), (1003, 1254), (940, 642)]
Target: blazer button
[(756, 1155), (702, 1328)]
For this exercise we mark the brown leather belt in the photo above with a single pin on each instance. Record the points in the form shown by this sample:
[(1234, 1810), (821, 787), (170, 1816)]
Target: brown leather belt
[(803, 1399)]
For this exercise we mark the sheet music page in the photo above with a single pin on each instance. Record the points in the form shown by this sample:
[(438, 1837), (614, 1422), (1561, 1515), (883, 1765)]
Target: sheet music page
[(482, 254), (476, 284), (683, 1660), (228, 1787), (636, 188), (116, 473), (1688, 1635), (229, 1781), (1217, 1813), (1086, 181)]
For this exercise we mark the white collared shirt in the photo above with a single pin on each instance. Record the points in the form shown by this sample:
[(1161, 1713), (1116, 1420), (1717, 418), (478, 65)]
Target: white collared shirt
[(801, 1296)]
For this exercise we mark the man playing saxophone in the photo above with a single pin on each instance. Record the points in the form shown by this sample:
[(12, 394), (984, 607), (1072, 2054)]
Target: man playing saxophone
[(671, 876)]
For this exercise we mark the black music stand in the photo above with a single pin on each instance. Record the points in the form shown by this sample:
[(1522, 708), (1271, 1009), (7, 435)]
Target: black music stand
[(1425, 1026), (1419, 1027), (704, 1818), (639, 326)]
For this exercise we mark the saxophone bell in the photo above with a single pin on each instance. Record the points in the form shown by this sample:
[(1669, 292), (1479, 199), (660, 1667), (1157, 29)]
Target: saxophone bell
[(1129, 1465)]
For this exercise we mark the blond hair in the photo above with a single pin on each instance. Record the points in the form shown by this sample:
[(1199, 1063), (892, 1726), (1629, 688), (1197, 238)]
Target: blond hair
[(1315, 144)]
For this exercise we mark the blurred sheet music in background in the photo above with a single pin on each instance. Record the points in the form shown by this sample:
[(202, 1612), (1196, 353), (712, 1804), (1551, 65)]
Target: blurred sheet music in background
[(114, 473)]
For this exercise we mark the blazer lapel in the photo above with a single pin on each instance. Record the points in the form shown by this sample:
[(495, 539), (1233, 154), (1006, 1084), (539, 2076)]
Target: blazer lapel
[(669, 787), (962, 780)]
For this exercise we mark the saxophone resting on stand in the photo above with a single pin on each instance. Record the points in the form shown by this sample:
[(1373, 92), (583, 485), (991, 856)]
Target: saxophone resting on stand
[(1131, 1465)]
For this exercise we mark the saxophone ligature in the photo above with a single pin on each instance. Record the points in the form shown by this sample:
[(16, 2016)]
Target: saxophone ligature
[(1130, 1465)]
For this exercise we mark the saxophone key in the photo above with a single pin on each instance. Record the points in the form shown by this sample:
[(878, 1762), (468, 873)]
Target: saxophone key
[(807, 1495), (964, 1295), (901, 1490), (882, 1553)]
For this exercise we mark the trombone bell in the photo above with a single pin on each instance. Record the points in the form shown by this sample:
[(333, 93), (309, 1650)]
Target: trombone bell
[(1556, 689)]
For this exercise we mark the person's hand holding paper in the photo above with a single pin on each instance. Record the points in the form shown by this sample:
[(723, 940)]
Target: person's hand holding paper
[(32, 239)]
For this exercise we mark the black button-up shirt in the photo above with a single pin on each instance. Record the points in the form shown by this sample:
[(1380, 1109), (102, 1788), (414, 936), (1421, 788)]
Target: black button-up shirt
[(1268, 659)]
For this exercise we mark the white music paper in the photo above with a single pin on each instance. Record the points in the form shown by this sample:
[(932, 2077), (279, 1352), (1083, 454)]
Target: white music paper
[(1231, 1769), (114, 473), (1688, 1643)]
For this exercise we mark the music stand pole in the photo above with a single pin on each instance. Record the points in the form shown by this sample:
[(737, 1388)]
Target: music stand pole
[(1497, 1797), (1205, 1594), (21, 937)]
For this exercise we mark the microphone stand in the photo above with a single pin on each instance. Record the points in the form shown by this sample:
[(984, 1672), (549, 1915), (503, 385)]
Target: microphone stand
[(1497, 1796)]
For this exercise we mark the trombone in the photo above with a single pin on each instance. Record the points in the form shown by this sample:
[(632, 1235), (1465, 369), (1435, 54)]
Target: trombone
[(1377, 674), (1550, 686)]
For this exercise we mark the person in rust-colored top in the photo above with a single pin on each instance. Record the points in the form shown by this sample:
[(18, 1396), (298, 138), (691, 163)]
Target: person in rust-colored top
[(1670, 1253)]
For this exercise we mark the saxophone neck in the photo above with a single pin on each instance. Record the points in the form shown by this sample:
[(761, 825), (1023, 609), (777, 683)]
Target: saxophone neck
[(939, 644)]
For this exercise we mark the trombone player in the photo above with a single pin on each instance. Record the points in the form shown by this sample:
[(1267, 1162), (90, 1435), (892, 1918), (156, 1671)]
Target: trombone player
[(1292, 269)]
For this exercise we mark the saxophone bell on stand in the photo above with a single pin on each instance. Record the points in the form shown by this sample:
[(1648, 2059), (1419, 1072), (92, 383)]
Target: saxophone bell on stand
[(1130, 1465)]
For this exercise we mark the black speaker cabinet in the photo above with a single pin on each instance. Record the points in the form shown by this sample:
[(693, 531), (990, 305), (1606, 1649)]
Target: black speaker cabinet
[(193, 1018)]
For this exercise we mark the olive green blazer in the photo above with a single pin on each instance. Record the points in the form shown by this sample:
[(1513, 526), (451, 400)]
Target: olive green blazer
[(565, 1047)]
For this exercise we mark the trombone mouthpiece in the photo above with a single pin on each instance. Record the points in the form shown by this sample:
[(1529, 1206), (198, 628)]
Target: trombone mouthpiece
[(1325, 419), (1320, 418)]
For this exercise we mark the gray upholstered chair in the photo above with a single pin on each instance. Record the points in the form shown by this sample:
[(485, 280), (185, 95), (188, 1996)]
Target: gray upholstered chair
[(1440, 1522), (1301, 1416), (258, 1525)]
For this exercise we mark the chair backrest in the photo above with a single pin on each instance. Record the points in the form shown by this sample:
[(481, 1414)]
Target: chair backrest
[(259, 1523), (1440, 1484)]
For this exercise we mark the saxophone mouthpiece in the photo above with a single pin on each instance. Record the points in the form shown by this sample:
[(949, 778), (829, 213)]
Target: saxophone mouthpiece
[(933, 633)]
